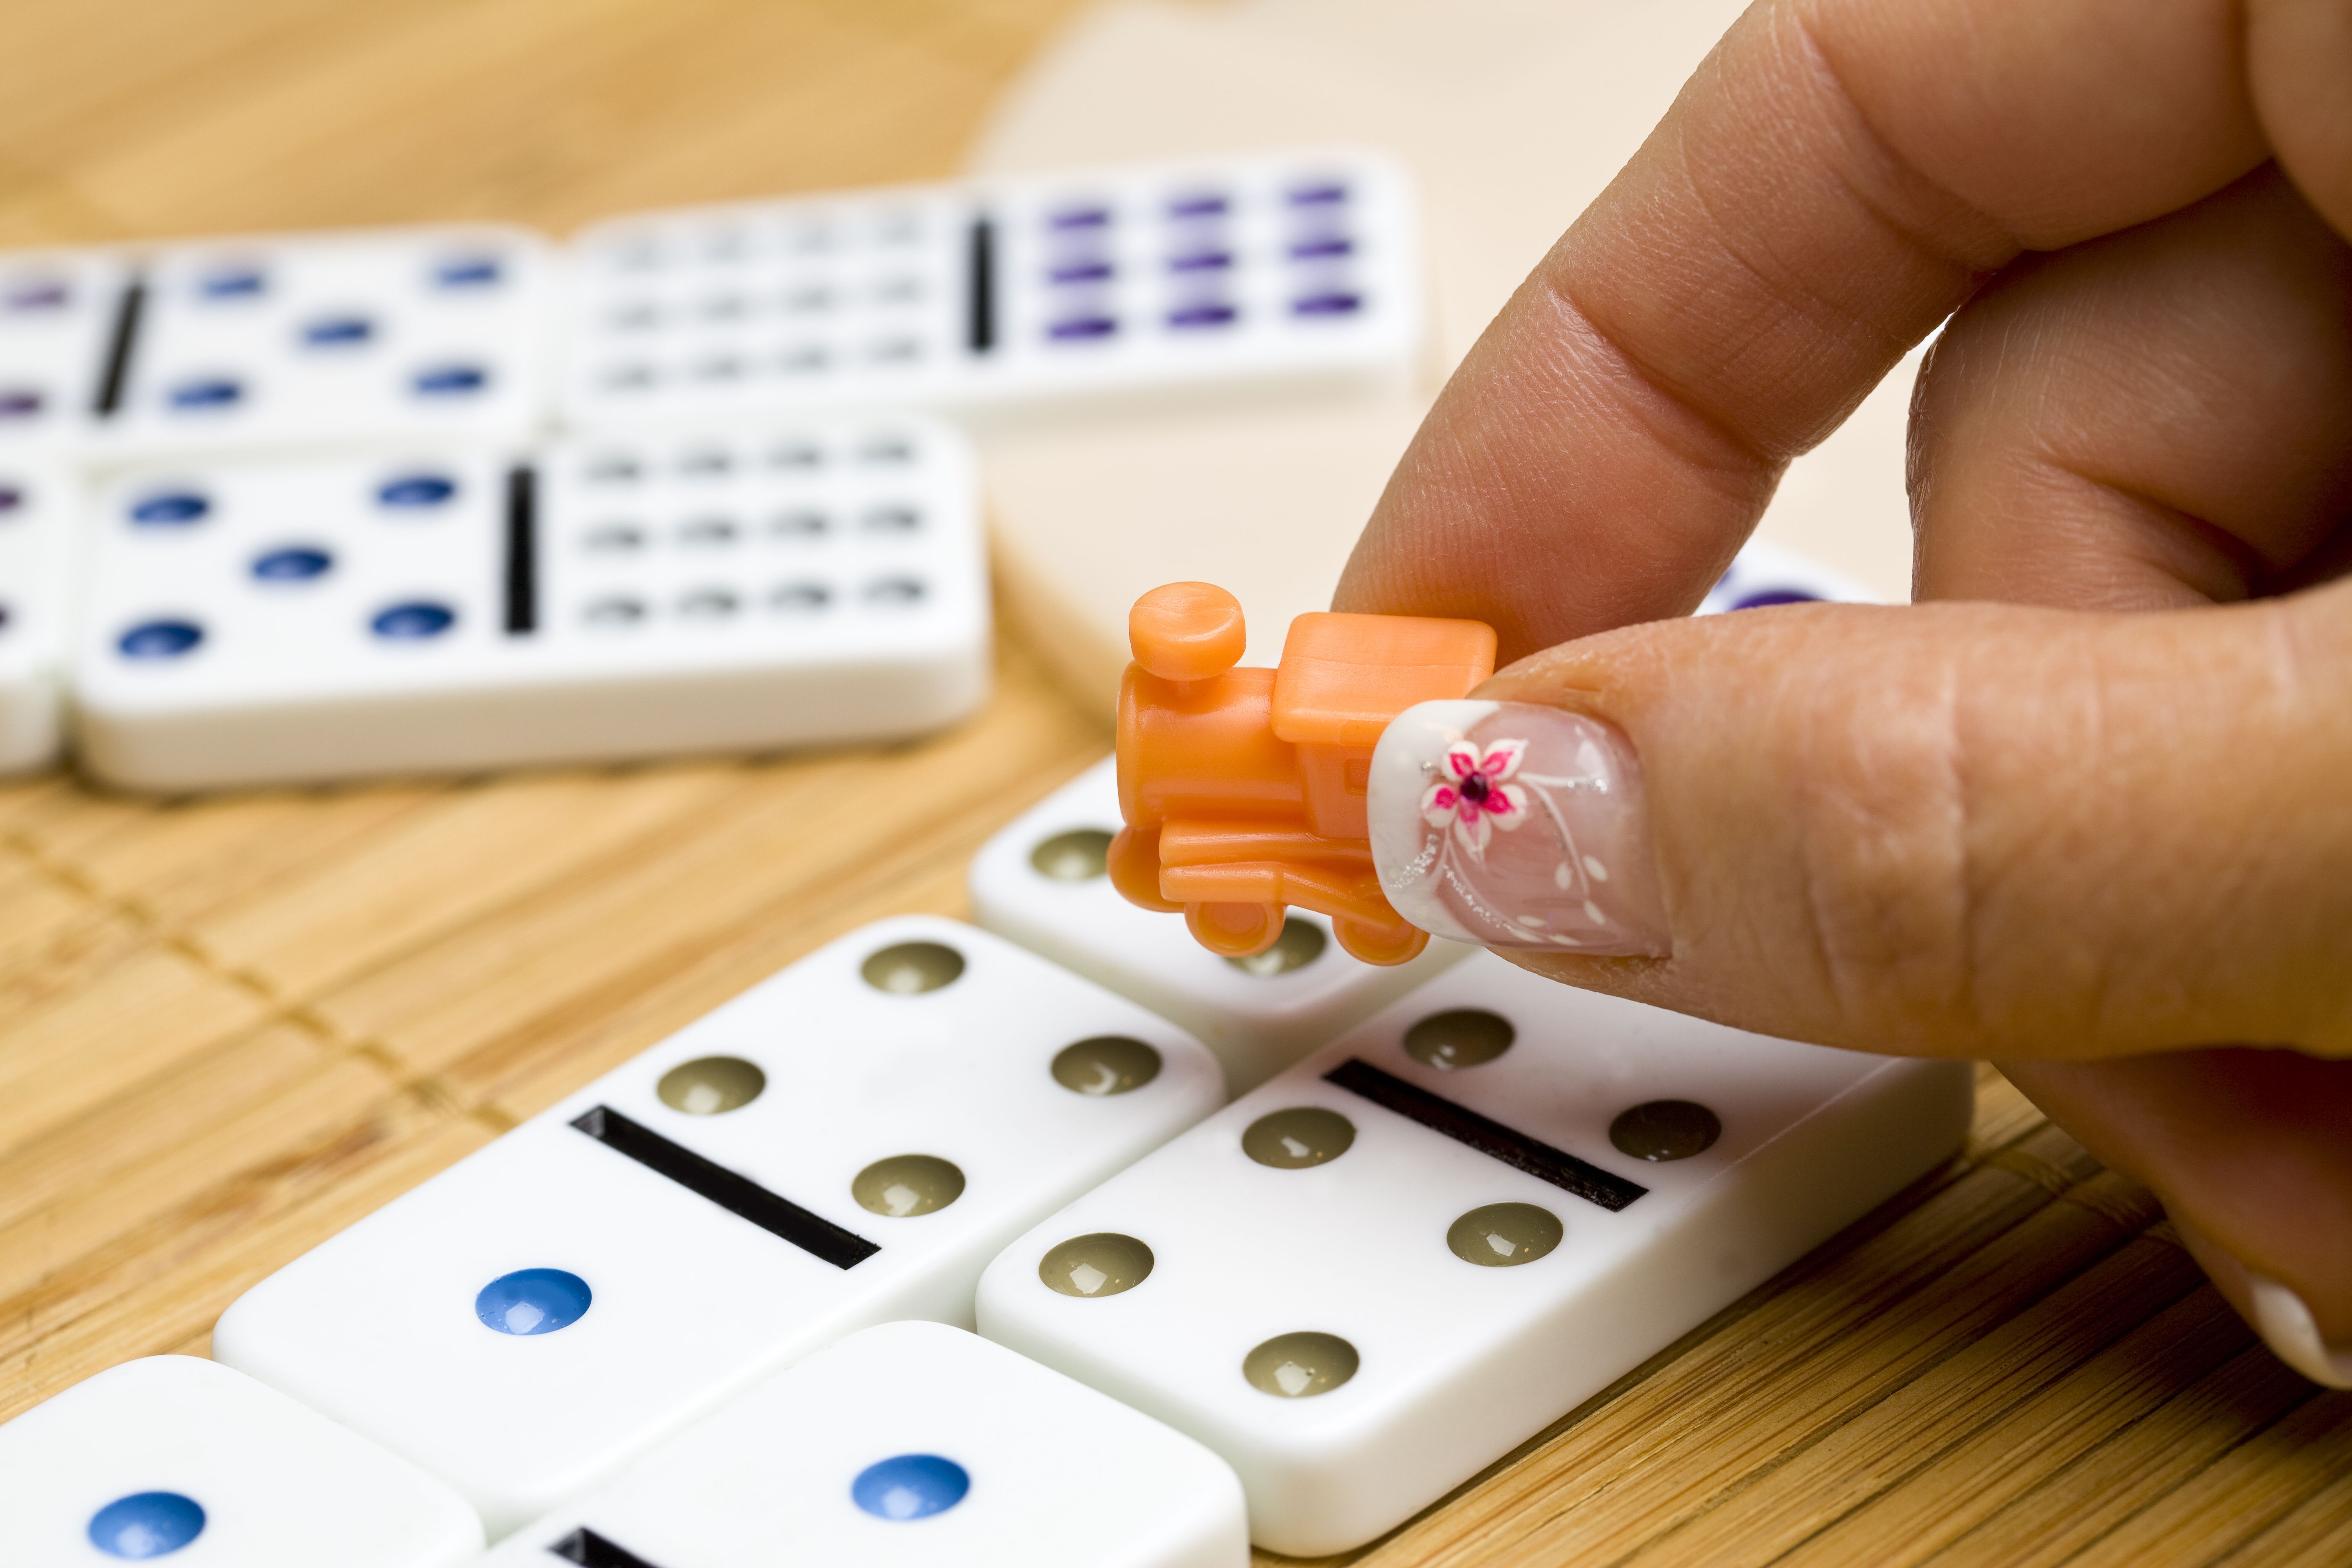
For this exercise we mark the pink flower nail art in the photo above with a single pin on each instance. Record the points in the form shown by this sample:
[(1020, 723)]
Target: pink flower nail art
[(1475, 796), (1512, 825)]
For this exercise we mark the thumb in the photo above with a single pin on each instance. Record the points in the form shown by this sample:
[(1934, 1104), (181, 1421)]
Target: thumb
[(1945, 830)]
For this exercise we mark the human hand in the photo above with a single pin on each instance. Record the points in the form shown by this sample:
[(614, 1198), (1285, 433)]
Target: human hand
[(2093, 822)]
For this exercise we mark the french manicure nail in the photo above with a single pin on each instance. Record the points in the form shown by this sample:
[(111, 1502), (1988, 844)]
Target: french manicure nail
[(1515, 825), (2286, 1325)]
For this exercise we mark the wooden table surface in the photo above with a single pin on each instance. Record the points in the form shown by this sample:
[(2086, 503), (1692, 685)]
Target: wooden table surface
[(230, 1027)]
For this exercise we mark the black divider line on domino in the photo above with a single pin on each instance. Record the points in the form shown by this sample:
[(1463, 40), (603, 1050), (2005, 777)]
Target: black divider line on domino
[(1491, 1138), (522, 550), (980, 300), (812, 1234), (128, 312), (590, 1550)]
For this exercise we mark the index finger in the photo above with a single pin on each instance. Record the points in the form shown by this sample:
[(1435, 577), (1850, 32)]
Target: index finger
[(1835, 180)]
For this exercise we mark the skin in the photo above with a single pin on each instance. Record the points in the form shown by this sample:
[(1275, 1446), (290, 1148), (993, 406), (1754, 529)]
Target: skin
[(2086, 809)]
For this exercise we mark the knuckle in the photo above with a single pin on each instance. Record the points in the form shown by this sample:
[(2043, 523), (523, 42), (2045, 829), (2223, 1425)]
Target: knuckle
[(1893, 894)]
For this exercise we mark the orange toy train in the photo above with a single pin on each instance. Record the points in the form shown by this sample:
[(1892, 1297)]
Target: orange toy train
[(1243, 790)]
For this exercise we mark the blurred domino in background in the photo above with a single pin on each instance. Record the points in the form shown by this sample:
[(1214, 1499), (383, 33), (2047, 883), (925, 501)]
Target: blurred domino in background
[(1041, 882), (60, 319), (306, 340), (907, 1446), (1383, 1269), (277, 342), (175, 1454), (1220, 274), (293, 620), (1766, 574), (37, 507), (847, 1143)]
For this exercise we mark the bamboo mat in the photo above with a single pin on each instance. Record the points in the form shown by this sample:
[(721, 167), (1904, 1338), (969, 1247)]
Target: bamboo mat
[(230, 1027)]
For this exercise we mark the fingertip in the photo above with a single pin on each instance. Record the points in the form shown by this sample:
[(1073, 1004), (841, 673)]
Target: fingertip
[(1925, 828), (2276, 1312), (2298, 58)]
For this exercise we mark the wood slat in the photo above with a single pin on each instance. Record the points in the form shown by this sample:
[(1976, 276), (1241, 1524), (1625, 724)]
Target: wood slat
[(2079, 1406), (185, 863), (2071, 1505), (496, 1001), (85, 78), (2315, 1533), (1898, 1439), (468, 850), (167, 1279), (104, 1002), (2221, 1512)]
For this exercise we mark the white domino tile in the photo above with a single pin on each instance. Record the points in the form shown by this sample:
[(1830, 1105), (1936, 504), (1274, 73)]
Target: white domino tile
[(289, 341), (847, 1143), (1766, 574), (463, 607), (1215, 275), (179, 1457), (38, 504), (60, 316), (1360, 1310), (859, 298), (907, 1446), (1041, 883), (276, 343)]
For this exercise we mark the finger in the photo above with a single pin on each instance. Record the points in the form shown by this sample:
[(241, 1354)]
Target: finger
[(1835, 180), (2299, 56), (2247, 1149), (2160, 418), (1957, 830)]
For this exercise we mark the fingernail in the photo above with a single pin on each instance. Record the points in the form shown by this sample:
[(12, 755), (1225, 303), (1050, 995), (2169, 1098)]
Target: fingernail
[(2287, 1326), (1515, 824)]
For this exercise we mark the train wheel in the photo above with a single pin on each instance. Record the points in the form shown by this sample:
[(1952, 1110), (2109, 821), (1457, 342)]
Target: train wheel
[(1234, 931), (1380, 945)]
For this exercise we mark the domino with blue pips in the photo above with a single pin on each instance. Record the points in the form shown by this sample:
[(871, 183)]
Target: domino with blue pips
[(847, 1143)]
